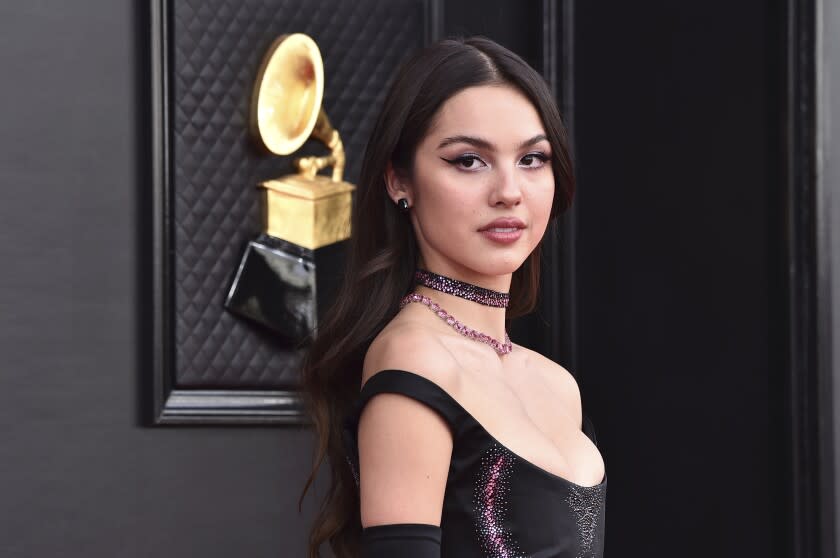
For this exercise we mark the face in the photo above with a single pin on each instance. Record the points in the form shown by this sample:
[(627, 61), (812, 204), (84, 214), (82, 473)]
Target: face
[(482, 185)]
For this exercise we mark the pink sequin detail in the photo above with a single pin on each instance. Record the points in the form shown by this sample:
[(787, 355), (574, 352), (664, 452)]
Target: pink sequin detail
[(490, 501)]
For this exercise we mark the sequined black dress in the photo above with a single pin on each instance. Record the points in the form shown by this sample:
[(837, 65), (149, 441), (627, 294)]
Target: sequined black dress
[(496, 504)]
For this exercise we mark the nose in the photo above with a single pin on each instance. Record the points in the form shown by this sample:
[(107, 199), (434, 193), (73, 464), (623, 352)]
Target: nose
[(506, 190)]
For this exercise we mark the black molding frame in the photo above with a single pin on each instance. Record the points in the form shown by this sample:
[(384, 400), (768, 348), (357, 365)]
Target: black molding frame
[(827, 64), (808, 285), (198, 406), (559, 55), (552, 296), (174, 406)]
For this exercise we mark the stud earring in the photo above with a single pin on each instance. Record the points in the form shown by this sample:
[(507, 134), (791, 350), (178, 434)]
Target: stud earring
[(402, 204)]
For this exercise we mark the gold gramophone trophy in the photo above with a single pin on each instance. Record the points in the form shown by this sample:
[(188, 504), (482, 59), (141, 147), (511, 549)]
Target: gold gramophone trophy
[(298, 257)]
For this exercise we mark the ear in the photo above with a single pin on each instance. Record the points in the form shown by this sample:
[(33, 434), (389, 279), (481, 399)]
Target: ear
[(397, 184)]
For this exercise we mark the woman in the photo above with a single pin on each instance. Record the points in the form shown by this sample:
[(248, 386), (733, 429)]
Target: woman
[(443, 437)]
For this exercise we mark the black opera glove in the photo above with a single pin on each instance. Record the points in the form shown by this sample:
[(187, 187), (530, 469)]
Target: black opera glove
[(403, 540)]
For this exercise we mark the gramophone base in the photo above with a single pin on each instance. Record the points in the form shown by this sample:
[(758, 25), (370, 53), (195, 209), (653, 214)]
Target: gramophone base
[(284, 286)]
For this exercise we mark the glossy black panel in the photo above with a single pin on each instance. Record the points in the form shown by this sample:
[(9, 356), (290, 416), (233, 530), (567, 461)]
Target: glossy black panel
[(275, 286)]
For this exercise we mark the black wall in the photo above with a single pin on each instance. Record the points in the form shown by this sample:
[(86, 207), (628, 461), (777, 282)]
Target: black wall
[(678, 126), (79, 475)]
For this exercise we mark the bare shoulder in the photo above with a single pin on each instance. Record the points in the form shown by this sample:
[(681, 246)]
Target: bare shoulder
[(405, 447), (415, 348)]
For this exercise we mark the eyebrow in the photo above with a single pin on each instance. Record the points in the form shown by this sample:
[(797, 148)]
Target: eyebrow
[(484, 144)]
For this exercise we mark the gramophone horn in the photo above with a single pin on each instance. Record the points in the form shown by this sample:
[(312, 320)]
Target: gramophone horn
[(288, 93), (290, 265)]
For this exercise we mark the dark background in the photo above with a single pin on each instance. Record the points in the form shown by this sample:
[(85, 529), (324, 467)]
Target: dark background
[(679, 296), (678, 130)]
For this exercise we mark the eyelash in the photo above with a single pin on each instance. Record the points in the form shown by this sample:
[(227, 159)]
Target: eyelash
[(469, 157)]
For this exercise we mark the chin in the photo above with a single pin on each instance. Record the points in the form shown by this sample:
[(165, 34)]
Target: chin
[(500, 266)]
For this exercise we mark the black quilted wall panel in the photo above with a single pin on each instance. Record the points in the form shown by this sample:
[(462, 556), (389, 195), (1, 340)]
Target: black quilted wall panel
[(216, 48)]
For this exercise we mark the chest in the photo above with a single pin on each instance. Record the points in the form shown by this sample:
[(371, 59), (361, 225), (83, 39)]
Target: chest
[(536, 420)]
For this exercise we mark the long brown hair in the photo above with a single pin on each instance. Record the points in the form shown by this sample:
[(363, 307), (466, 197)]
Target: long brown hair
[(383, 253)]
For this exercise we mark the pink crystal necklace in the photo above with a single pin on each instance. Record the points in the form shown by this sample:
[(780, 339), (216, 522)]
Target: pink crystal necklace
[(500, 348)]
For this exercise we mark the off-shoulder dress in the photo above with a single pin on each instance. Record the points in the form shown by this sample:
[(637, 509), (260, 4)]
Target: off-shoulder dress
[(496, 504)]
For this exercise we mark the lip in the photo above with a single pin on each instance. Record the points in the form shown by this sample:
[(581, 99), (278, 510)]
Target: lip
[(492, 231), (503, 223)]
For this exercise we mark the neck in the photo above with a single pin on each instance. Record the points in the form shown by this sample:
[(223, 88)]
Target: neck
[(486, 319)]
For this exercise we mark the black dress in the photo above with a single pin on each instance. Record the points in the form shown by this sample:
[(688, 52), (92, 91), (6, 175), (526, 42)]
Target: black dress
[(496, 504)]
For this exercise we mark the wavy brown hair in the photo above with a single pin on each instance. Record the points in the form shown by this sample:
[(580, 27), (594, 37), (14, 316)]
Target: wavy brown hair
[(383, 253)]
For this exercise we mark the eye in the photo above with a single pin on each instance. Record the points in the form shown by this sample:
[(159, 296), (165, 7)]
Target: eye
[(534, 160), (466, 162)]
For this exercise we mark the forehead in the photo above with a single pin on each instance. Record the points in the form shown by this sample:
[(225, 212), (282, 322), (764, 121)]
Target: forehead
[(500, 113)]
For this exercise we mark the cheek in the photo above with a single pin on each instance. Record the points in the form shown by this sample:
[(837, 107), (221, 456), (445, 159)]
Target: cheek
[(541, 196), (447, 198)]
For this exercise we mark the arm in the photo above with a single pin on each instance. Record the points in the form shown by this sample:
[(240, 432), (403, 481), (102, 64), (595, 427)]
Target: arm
[(404, 452)]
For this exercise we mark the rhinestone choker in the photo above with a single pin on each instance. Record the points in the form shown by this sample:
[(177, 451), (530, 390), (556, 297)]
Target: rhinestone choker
[(462, 289), (499, 347)]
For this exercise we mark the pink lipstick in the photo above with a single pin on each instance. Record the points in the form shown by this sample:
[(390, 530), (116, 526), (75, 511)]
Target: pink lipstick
[(504, 230)]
